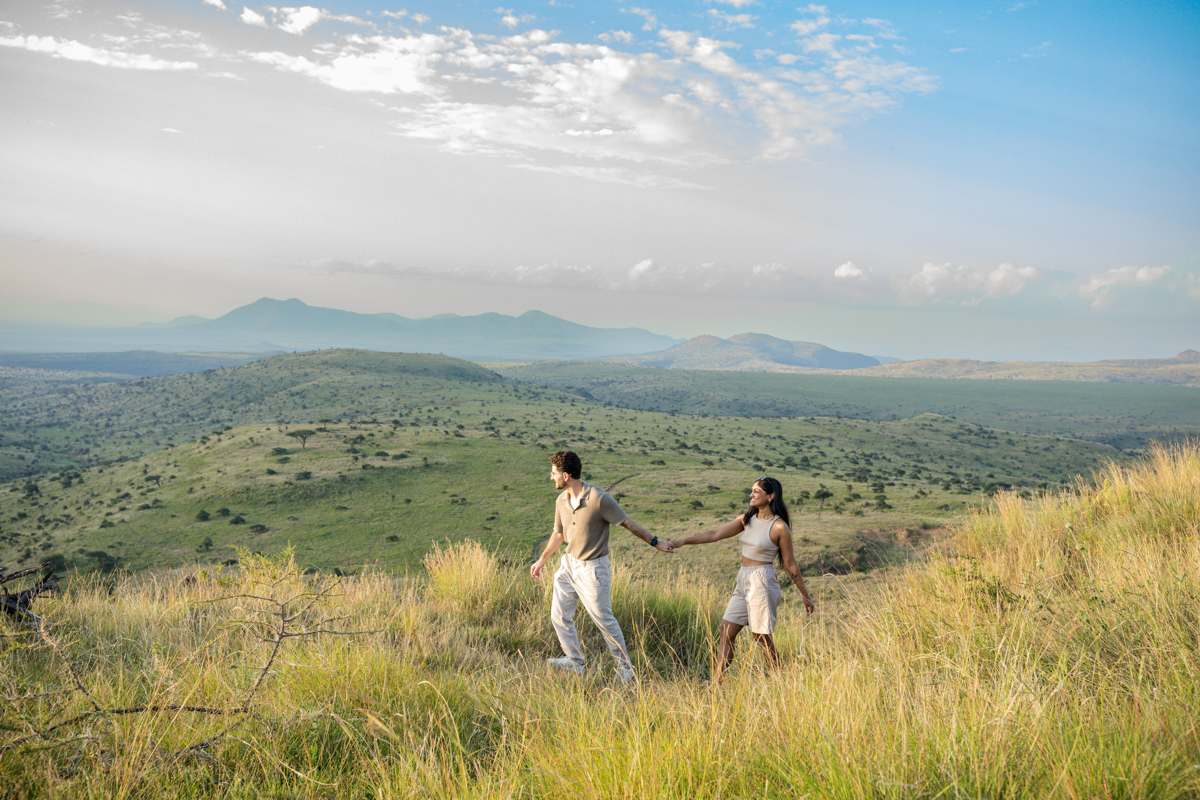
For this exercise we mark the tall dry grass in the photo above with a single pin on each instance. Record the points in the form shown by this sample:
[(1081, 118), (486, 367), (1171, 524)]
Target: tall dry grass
[(1053, 655)]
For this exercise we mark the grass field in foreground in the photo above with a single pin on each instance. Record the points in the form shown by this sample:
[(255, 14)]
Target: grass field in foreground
[(1055, 656)]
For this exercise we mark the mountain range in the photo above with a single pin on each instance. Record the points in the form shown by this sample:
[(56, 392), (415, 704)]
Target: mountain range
[(747, 352), (269, 325)]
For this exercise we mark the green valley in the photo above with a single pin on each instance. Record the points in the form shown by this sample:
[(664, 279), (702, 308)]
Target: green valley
[(406, 450)]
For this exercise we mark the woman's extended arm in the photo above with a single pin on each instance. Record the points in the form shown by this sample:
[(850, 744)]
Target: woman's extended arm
[(732, 528), (783, 534)]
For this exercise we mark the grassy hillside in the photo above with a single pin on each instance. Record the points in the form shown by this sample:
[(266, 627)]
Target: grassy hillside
[(1126, 416), (1055, 656), (52, 422), (453, 459)]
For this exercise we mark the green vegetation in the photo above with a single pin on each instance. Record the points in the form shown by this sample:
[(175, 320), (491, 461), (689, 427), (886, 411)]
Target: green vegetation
[(1126, 416), (452, 451), (51, 422), (1051, 654)]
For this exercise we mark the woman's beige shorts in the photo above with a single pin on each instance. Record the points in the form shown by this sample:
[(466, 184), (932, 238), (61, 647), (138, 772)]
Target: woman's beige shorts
[(755, 599)]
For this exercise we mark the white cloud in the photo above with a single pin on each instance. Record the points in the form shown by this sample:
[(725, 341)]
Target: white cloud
[(848, 270), (170, 130), (297, 20), (511, 20), (651, 21), (732, 20), (214, 3), (821, 43), (1008, 279), (420, 19), (1100, 282), (397, 65), (806, 27), (940, 280), (605, 107), (77, 51), (252, 17), (734, 3), (616, 36)]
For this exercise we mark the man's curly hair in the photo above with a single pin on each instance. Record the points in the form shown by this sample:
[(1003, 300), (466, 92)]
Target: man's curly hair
[(567, 462)]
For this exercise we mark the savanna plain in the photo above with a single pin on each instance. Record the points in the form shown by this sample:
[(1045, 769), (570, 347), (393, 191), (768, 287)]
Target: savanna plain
[(308, 577)]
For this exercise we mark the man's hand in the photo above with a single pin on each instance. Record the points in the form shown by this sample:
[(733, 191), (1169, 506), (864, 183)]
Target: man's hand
[(665, 546), (535, 571)]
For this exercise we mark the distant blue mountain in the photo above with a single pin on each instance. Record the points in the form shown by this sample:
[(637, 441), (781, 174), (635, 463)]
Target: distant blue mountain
[(272, 325)]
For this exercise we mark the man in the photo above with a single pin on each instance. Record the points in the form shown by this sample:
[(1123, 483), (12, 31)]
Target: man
[(582, 516)]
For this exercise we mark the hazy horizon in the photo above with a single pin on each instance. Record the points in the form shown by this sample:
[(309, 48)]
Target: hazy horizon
[(992, 180)]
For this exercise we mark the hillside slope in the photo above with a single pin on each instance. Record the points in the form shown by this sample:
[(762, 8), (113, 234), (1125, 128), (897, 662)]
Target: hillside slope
[(57, 423)]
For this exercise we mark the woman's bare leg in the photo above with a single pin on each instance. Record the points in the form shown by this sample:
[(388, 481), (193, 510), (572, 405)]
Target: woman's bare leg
[(729, 632), (767, 643)]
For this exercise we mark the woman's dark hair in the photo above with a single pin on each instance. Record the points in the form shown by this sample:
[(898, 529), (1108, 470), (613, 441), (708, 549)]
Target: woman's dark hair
[(778, 507)]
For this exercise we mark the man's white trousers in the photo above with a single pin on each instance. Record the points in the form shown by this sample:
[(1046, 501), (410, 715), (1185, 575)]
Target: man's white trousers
[(590, 583)]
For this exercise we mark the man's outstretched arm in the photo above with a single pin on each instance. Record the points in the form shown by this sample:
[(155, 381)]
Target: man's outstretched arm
[(643, 534)]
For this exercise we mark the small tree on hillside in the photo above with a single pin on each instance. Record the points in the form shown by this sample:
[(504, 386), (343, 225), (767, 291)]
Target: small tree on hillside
[(302, 435), (822, 494)]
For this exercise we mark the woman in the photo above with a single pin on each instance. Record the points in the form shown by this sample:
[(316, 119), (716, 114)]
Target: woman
[(765, 533)]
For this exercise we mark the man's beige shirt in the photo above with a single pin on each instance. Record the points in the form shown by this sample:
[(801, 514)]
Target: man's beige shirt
[(585, 527)]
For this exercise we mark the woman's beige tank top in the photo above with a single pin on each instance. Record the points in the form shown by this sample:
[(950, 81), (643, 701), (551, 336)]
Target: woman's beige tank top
[(756, 540)]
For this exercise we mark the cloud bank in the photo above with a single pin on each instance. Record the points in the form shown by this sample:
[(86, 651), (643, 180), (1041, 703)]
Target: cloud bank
[(623, 108)]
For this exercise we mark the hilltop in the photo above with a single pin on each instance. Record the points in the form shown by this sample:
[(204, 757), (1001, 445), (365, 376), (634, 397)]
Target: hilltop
[(56, 422)]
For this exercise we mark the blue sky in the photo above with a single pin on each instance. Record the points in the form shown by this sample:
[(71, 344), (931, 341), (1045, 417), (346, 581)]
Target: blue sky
[(1002, 180)]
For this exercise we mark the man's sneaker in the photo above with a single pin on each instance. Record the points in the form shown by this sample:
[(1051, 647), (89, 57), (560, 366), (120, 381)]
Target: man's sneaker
[(626, 675), (567, 663)]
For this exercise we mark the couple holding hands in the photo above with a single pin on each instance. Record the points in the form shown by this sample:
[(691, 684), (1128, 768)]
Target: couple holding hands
[(582, 517)]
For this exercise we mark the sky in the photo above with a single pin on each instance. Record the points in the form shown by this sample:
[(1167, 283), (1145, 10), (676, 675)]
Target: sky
[(998, 180)]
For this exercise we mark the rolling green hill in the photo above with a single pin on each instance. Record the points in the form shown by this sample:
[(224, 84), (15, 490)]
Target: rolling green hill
[(420, 449), (52, 422)]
